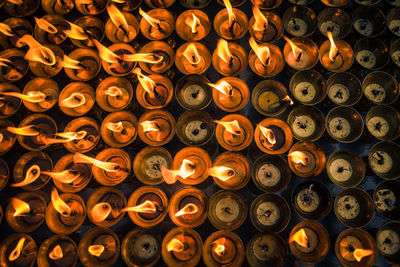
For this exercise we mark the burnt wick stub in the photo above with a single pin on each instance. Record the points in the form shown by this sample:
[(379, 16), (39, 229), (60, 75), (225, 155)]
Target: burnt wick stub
[(307, 200), (305, 92), (388, 242), (339, 93), (269, 175), (153, 165), (381, 162), (303, 126), (348, 207), (268, 213), (364, 26), (341, 170), (375, 92), (194, 95), (297, 27), (378, 126), (339, 128), (366, 59), (385, 200), (264, 248), (227, 210), (145, 247), (196, 131)]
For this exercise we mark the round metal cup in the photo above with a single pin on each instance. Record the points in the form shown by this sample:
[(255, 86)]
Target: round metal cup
[(387, 129), (305, 83), (193, 92), (275, 253), (355, 122), (380, 88), (300, 21), (386, 199), (385, 238), (336, 21), (368, 21), (316, 116), (371, 53), (343, 89), (382, 158)]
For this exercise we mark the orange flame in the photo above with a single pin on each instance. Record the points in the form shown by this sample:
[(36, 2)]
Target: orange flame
[(17, 250), (73, 101), (231, 126), (116, 127), (268, 134), (152, 21), (70, 63), (20, 207), (333, 51), (76, 32), (147, 83), (32, 96), (32, 174), (146, 207), (106, 54), (16, 2), (1, 137), (118, 18), (120, 1), (100, 211), (220, 246), (107, 166), (359, 253), (5, 62), (29, 130), (84, 2), (72, 135), (295, 50), (231, 15), (300, 237), (150, 58), (298, 157), (223, 51), (113, 91), (263, 53), (170, 176), (65, 176), (96, 250), (59, 205), (222, 86), (150, 126), (56, 253), (175, 245), (193, 22), (260, 21), (188, 209), (45, 25), (36, 51), (5, 29), (191, 54), (221, 172), (288, 99)]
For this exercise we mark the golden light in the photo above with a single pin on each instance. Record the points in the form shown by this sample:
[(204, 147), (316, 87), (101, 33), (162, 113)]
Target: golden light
[(70, 63), (113, 91), (298, 157), (231, 126), (152, 21), (221, 172), (96, 250), (231, 15), (65, 176), (263, 53), (288, 99), (73, 101), (120, 1), (219, 246), (333, 51), (32, 174), (84, 2), (150, 126), (29, 130), (359, 253), (186, 210), (116, 127), (36, 51), (147, 83), (5, 29), (107, 166), (150, 58), (5, 62), (268, 134), (295, 50), (45, 25), (223, 51), (72, 135), (300, 237), (193, 22), (56, 253), (76, 32), (20, 207), (170, 176), (16, 252), (16, 2), (100, 211), (175, 245), (118, 19), (222, 86), (106, 54), (260, 21), (1, 137), (146, 207), (191, 54), (32, 96), (59, 205)]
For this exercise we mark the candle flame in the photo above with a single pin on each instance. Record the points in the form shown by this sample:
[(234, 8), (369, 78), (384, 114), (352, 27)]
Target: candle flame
[(16, 2), (170, 176), (263, 53), (231, 126), (1, 137), (152, 21), (21, 207), (333, 50), (223, 51), (147, 83), (116, 127), (120, 1), (146, 207), (188, 209), (222, 86), (32, 174), (221, 172), (107, 166), (300, 237), (64, 177), (106, 54), (45, 25), (5, 62), (32, 96), (260, 21), (100, 212), (84, 2), (359, 253), (231, 15), (150, 58), (70, 136), (175, 245), (29, 130), (268, 134), (113, 91), (191, 54), (96, 250), (70, 63), (298, 157), (73, 101), (59, 205), (295, 50), (219, 246), (288, 99), (118, 18), (193, 22), (76, 32), (16, 252), (5, 29), (150, 126), (36, 51), (56, 253)]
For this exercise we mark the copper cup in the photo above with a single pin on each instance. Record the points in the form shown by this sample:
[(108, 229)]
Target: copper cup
[(237, 63), (195, 128), (235, 141), (44, 70), (93, 28), (371, 53), (268, 98), (344, 124), (189, 29), (266, 249), (335, 20), (47, 253), (159, 49), (314, 162), (109, 101), (56, 37), (7, 138), (304, 60), (164, 130), (161, 94), (28, 252), (4, 175), (231, 30), (123, 134), (381, 159), (16, 66), (383, 122), (307, 123), (385, 200), (193, 92), (120, 35), (271, 33), (237, 97), (19, 27), (282, 136), (380, 88), (273, 67), (25, 9), (299, 21), (164, 28), (76, 99), (121, 67), (57, 7), (91, 138), (89, 61), (308, 87), (343, 89), (93, 8), (46, 86), (9, 105), (191, 66), (385, 238)]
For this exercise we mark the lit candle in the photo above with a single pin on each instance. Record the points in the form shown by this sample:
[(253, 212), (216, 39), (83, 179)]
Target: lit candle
[(156, 128), (265, 27), (273, 136), (265, 60), (231, 94), (306, 159), (230, 23), (122, 26), (229, 59), (354, 246), (234, 132), (192, 58), (192, 25), (300, 53), (157, 24), (335, 55)]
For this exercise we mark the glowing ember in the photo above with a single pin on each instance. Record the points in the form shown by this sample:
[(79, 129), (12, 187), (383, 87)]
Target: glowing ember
[(297, 52), (56, 253), (116, 127), (263, 53), (32, 96), (32, 174), (29, 130), (16, 252), (70, 63), (221, 172), (333, 51), (188, 209), (107, 166), (45, 25), (219, 246), (113, 91), (298, 157), (150, 126), (222, 86), (66, 176), (288, 99), (223, 51), (21, 207), (268, 134), (152, 21), (76, 32), (106, 54), (6, 30), (73, 101), (193, 22), (36, 51), (359, 253), (96, 250), (118, 19), (300, 237), (191, 54), (59, 205), (147, 83), (146, 207), (170, 176), (100, 211), (150, 58), (231, 15), (175, 245), (231, 126), (260, 21)]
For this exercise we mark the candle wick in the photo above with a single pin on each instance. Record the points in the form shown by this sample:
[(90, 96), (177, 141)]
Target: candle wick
[(231, 27), (299, 56), (231, 61), (380, 158), (335, 56), (155, 92), (159, 28), (83, 66), (227, 210), (126, 32)]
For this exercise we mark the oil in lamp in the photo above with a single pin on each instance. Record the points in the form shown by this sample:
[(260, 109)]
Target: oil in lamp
[(105, 206), (65, 213), (223, 248), (229, 59), (234, 132), (368, 21), (35, 131), (57, 7), (307, 123), (270, 173), (8, 105), (110, 167), (162, 57), (188, 207), (299, 21), (118, 59), (308, 87), (91, 7), (4, 176), (300, 53), (345, 168), (265, 60), (371, 53), (141, 247), (273, 136), (190, 166), (12, 29), (153, 91), (84, 30), (50, 29), (25, 212), (344, 124), (192, 25), (157, 24), (192, 58), (148, 163), (198, 4), (334, 20), (231, 23), (383, 122), (76, 99), (7, 139), (380, 88), (227, 210), (385, 199), (306, 159), (21, 8), (114, 93), (193, 92), (387, 241), (335, 55), (195, 128), (99, 247), (230, 94), (309, 241), (122, 27), (393, 20), (13, 65), (18, 249), (230, 171), (159, 3), (119, 129), (270, 212), (343, 89), (266, 249), (381, 159), (82, 64), (59, 250), (181, 247), (82, 135), (147, 206), (70, 177), (265, 27), (156, 127), (355, 247)]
